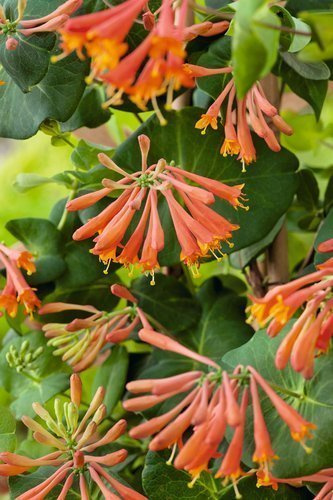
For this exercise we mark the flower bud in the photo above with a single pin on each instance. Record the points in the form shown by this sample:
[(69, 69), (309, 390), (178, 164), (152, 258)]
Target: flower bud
[(11, 43), (148, 19), (37, 352), (99, 414), (24, 347), (73, 416), (78, 459), (76, 389)]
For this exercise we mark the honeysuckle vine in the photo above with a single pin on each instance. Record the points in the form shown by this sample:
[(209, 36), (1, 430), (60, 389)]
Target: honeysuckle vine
[(180, 360)]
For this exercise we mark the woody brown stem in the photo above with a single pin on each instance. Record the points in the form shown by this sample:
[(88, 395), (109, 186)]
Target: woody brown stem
[(277, 253)]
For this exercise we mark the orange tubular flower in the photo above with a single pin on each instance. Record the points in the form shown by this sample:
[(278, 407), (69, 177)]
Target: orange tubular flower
[(75, 439), (49, 23), (213, 400), (311, 333), (80, 343), (17, 291), (199, 229), (251, 110)]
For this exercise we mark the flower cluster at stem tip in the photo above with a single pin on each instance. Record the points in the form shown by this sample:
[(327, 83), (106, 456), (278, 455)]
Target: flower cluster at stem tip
[(199, 229)]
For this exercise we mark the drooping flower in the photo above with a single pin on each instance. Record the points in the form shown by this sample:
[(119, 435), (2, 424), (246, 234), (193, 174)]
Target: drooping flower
[(199, 229), (154, 67), (49, 23), (75, 439), (310, 335), (254, 109), (213, 401), (80, 343), (16, 290)]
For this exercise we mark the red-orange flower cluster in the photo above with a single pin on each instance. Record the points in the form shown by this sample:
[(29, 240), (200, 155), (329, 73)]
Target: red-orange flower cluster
[(17, 291), (254, 109), (213, 401), (311, 333), (74, 439), (81, 341), (102, 37), (199, 229)]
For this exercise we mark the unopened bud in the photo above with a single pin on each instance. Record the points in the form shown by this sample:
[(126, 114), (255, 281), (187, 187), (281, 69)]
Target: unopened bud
[(37, 352), (73, 416), (76, 389), (13, 350), (144, 143), (88, 433), (24, 347), (58, 410), (41, 412), (99, 414), (28, 357), (148, 19), (10, 360), (11, 43), (97, 399), (78, 459), (19, 369), (2, 15), (21, 6), (53, 427), (161, 164), (50, 127)]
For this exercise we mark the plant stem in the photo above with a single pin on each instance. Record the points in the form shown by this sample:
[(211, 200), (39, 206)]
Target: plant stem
[(64, 216)]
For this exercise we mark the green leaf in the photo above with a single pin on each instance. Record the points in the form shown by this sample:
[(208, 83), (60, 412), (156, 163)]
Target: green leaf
[(25, 182), (242, 258), (112, 376), (325, 233), (164, 481), (255, 44), (39, 392), (328, 200), (295, 6), (217, 56), (44, 241), (314, 403), (168, 302), (308, 189), (300, 41), (84, 155), (89, 112), (7, 430), (270, 183), (322, 47), (28, 64), (56, 96), (311, 71), (311, 90)]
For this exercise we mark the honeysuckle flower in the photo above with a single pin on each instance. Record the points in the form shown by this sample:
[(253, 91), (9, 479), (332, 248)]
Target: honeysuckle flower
[(80, 342), (154, 67), (75, 439), (253, 109), (310, 335), (199, 229), (16, 290), (49, 23), (213, 401)]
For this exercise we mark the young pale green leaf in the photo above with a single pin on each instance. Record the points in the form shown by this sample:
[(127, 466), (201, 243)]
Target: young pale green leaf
[(168, 302), (270, 183), (313, 399), (255, 43), (112, 376), (25, 182)]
